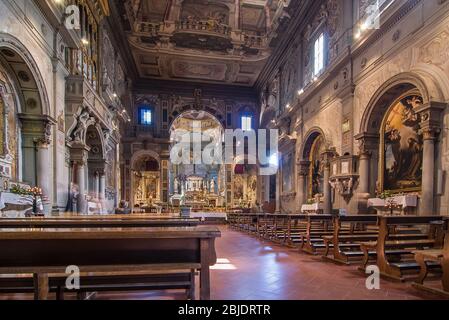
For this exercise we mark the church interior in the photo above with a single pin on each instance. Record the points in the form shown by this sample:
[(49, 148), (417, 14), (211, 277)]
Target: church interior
[(224, 149)]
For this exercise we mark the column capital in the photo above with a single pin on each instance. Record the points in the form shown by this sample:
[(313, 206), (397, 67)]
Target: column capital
[(78, 153), (327, 156), (430, 115), (42, 143), (430, 133), (303, 166), (37, 127), (367, 142)]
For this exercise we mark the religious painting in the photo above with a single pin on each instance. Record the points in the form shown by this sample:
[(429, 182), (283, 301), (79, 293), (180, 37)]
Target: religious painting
[(238, 187), (316, 168), (287, 173), (252, 188), (402, 146)]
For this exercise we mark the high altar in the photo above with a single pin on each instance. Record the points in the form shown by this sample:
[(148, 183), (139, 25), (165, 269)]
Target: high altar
[(195, 191)]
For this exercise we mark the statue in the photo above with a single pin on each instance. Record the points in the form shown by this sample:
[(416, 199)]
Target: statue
[(176, 183), (81, 127)]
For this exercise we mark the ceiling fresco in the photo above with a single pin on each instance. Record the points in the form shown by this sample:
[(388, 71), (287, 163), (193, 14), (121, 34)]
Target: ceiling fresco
[(220, 41)]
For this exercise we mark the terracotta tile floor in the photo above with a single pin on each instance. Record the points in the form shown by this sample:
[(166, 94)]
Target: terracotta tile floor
[(251, 269)]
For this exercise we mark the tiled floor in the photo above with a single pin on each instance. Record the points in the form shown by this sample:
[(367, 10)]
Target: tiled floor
[(267, 271), (249, 269)]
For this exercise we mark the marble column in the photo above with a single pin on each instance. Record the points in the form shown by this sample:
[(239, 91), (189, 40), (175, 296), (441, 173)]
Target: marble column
[(327, 195), (97, 185), (81, 175), (327, 190), (431, 120), (368, 142), (267, 189), (37, 164), (43, 172), (364, 166), (428, 173), (278, 191), (102, 185), (303, 172)]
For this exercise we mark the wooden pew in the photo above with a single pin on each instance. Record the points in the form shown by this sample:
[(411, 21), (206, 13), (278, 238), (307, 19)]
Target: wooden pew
[(156, 250), (23, 283), (311, 240), (396, 267), (435, 255), (344, 245), (95, 222)]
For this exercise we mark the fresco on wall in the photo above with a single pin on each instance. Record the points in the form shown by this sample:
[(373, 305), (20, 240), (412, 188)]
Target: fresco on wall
[(287, 173), (402, 146)]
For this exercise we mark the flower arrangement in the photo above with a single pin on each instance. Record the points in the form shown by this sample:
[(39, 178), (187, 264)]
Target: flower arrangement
[(17, 189), (385, 195), (310, 201), (36, 192)]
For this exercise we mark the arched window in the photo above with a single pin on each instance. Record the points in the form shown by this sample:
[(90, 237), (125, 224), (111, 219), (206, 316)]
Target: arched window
[(319, 55), (146, 115), (247, 122)]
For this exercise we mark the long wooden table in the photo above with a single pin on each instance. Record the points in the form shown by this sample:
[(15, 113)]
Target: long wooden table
[(46, 251)]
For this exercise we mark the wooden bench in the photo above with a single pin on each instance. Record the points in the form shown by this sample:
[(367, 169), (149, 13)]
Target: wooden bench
[(311, 240), (436, 255), (152, 251), (96, 222), (394, 256), (344, 245), (108, 281)]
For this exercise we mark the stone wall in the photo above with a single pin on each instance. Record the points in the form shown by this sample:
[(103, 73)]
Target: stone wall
[(411, 46)]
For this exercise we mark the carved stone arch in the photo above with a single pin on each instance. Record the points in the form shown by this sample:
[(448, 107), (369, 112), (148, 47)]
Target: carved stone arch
[(142, 153), (187, 108), (435, 80), (91, 124), (310, 137), (390, 90), (10, 42)]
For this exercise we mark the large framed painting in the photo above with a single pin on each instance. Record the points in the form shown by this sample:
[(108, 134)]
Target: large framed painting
[(401, 146), (287, 173), (316, 177)]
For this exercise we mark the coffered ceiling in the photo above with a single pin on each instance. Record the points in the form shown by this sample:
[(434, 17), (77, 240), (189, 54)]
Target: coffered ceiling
[(220, 41)]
